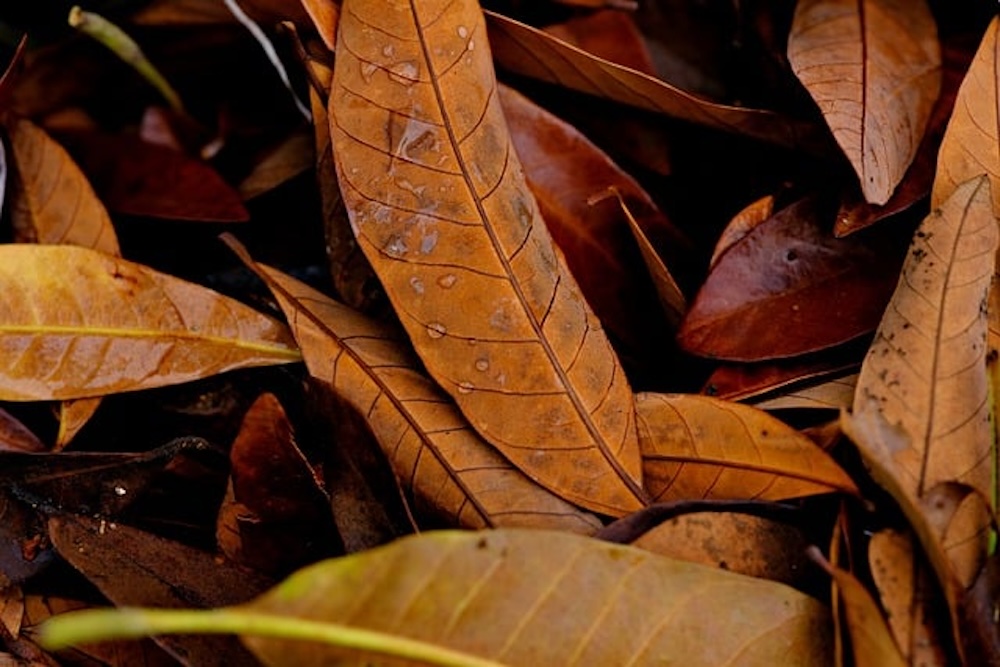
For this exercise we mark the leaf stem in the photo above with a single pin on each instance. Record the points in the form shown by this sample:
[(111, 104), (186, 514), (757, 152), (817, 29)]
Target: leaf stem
[(130, 623), (123, 46)]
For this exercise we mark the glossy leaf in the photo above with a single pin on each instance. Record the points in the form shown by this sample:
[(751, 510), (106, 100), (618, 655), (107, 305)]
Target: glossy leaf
[(76, 323), (53, 201), (969, 145), (789, 287), (874, 69), (582, 601), (432, 449), (440, 207), (921, 414), (701, 447), (532, 52)]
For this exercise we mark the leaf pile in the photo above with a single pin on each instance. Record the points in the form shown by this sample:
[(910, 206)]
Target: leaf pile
[(683, 312)]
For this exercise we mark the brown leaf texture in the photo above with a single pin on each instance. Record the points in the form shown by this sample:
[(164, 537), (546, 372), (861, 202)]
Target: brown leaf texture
[(969, 147), (440, 207), (921, 414), (75, 323), (581, 602), (447, 466), (701, 447), (53, 200), (874, 69), (526, 50)]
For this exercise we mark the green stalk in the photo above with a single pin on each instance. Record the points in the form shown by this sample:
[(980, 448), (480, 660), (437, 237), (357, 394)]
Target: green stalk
[(130, 623), (123, 46)]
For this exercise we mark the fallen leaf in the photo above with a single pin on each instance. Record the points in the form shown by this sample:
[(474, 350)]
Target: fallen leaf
[(741, 543), (979, 608), (744, 222), (582, 601), (16, 437), (290, 158), (921, 414), (431, 447), (565, 171), (73, 416), (789, 288), (903, 581), (278, 514), (874, 69), (324, 15), (97, 325), (531, 52), (969, 145), (871, 643), (439, 205), (701, 447), (835, 394), (53, 201), (134, 568)]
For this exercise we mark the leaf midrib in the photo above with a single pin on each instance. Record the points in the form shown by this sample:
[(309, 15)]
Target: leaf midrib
[(592, 429)]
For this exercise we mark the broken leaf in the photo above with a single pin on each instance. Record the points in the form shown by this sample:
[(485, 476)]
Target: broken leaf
[(701, 447), (582, 601), (874, 69), (76, 323), (440, 207)]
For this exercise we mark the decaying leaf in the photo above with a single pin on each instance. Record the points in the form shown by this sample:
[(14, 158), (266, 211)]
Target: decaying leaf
[(440, 207), (581, 601), (432, 449), (702, 447), (921, 414), (874, 69), (744, 222), (53, 201), (969, 147), (835, 394), (76, 323)]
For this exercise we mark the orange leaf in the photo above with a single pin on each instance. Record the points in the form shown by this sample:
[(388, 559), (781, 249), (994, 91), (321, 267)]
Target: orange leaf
[(701, 447), (874, 69), (441, 209)]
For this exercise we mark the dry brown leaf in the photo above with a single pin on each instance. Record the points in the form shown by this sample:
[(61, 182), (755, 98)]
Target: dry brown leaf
[(835, 394), (905, 588), (871, 643), (741, 543), (291, 157), (580, 602), (440, 207), (742, 224), (921, 414), (53, 201), (75, 323), (324, 15), (969, 147), (532, 52), (443, 462), (73, 416), (702, 447), (874, 69)]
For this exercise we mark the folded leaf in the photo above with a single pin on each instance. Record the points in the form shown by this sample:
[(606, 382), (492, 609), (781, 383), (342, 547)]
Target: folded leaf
[(581, 601), (76, 323), (441, 209), (431, 447), (874, 69), (701, 447), (921, 414)]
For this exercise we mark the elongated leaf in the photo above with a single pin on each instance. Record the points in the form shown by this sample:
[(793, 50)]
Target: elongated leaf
[(53, 200), (581, 601), (76, 323), (921, 413), (789, 287), (874, 69), (835, 394), (431, 447), (440, 208), (701, 447), (969, 147), (532, 52)]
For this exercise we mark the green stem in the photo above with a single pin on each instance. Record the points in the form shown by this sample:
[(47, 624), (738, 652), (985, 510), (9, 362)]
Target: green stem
[(123, 46), (130, 623)]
